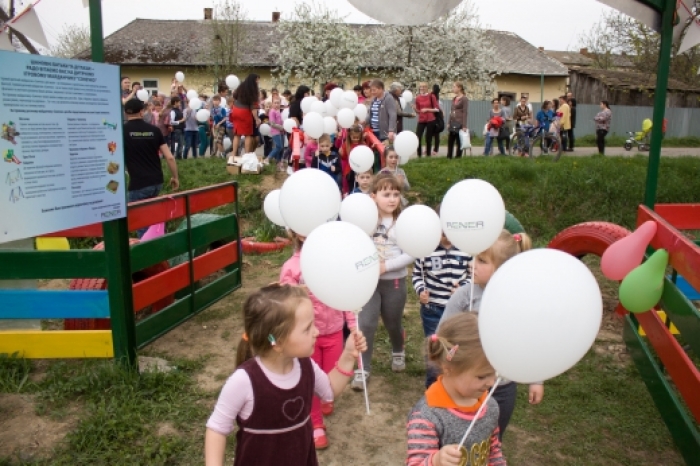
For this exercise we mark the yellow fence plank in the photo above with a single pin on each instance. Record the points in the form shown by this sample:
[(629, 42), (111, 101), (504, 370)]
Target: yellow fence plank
[(37, 344)]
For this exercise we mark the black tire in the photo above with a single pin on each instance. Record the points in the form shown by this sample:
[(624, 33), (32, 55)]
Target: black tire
[(557, 152), (517, 144), (628, 146)]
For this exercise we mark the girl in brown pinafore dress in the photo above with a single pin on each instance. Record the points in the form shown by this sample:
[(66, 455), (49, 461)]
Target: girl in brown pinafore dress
[(269, 395)]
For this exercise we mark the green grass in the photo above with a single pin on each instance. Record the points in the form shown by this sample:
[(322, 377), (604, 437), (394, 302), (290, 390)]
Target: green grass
[(547, 197), (612, 140)]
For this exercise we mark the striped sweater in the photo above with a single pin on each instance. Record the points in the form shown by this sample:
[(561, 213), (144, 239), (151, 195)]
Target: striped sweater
[(429, 429), (440, 272)]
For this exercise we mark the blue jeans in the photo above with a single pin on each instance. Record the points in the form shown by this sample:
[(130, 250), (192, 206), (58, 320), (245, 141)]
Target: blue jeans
[(191, 141), (176, 143), (489, 143), (430, 315), (278, 147), (139, 195)]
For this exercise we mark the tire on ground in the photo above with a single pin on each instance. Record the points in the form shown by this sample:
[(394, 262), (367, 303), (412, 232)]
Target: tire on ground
[(588, 238)]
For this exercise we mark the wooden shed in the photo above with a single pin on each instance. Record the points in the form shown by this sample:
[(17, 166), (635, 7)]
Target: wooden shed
[(590, 86)]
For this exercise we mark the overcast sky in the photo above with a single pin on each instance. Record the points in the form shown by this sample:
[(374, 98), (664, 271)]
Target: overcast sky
[(553, 24)]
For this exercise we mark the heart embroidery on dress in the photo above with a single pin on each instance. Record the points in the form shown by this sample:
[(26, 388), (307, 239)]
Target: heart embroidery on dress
[(293, 408)]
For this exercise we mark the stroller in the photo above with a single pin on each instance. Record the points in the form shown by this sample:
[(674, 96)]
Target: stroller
[(640, 138)]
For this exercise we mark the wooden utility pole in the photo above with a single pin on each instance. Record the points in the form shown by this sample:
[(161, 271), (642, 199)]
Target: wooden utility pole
[(5, 17)]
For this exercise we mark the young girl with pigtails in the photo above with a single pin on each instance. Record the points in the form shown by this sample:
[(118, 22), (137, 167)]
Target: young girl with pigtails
[(329, 343), (506, 246), (389, 297), (269, 396), (440, 419)]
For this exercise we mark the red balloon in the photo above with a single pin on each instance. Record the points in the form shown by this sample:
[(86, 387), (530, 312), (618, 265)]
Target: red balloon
[(626, 254)]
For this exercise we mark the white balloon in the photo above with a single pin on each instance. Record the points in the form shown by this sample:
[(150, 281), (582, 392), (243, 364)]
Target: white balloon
[(195, 104), (361, 112), (271, 206), (361, 159), (318, 107), (232, 82), (349, 100), (289, 125), (402, 101), (223, 102), (340, 253), (406, 144), (313, 124), (331, 109), (192, 95), (330, 126), (336, 97), (418, 231), (346, 117), (472, 215), (180, 76), (411, 12), (203, 115), (309, 187), (227, 143), (539, 315), (285, 114), (265, 129), (407, 96), (142, 95), (306, 103), (360, 210)]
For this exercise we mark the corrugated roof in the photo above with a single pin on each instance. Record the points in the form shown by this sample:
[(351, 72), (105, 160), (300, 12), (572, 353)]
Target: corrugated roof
[(181, 42), (631, 80), (570, 58)]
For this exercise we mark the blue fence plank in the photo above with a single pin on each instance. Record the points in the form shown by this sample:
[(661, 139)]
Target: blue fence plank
[(35, 304)]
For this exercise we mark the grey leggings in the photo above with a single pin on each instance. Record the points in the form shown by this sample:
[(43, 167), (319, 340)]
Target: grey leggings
[(388, 302)]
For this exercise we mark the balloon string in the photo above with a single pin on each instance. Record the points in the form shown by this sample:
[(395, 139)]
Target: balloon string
[(362, 366), (471, 292), (478, 413)]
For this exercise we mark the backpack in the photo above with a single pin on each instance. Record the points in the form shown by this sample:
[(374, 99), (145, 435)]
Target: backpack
[(439, 117)]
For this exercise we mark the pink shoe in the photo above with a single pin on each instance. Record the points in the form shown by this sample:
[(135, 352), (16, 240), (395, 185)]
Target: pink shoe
[(327, 408), (320, 439)]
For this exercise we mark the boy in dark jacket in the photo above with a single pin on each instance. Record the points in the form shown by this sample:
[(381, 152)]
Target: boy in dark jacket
[(327, 159)]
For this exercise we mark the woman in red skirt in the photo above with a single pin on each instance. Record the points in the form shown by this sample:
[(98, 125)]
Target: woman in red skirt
[(244, 113)]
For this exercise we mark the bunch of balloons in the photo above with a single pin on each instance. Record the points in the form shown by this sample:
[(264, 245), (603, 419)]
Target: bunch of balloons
[(642, 285)]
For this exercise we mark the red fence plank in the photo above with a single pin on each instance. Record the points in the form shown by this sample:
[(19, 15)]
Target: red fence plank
[(681, 216), (167, 283), (161, 209), (677, 363), (684, 255)]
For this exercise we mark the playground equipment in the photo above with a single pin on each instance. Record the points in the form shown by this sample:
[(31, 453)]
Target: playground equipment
[(639, 138), (198, 282)]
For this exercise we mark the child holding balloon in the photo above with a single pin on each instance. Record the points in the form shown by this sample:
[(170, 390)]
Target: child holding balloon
[(435, 279), (269, 395), (364, 182), (352, 139), (440, 419), (329, 343), (389, 298), (392, 166), (326, 159), (506, 246)]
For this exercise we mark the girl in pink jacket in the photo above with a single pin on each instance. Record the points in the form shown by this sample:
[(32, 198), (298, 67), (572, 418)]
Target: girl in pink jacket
[(329, 343)]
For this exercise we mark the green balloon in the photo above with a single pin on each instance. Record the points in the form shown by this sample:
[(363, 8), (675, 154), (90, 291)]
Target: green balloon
[(512, 224), (641, 289)]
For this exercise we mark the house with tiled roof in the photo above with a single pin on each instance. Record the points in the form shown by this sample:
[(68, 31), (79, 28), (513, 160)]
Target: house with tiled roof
[(152, 51)]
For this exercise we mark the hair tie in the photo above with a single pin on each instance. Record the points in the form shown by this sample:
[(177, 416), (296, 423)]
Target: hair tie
[(451, 353), (245, 336), (271, 339), (434, 337), (517, 237)]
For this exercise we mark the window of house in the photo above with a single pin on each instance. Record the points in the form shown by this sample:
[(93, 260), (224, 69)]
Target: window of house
[(151, 85)]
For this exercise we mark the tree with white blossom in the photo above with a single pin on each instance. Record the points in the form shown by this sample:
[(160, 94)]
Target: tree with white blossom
[(317, 46), (452, 48)]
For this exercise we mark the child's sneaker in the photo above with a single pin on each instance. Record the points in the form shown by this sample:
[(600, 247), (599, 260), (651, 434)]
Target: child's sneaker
[(320, 439), (356, 383), (327, 408), (398, 362)]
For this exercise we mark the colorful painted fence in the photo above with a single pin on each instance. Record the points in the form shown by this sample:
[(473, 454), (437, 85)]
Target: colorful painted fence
[(208, 269)]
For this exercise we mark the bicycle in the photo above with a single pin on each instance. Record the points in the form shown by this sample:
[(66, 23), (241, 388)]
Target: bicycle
[(548, 143), (520, 140)]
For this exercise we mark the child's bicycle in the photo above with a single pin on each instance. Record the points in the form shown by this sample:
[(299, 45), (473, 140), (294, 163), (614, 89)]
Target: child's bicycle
[(520, 140), (546, 142), (641, 139)]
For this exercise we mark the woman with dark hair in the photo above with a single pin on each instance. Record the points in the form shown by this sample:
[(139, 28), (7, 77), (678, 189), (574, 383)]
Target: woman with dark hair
[(602, 125), (295, 112), (458, 119), (244, 113), (366, 97), (439, 119)]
